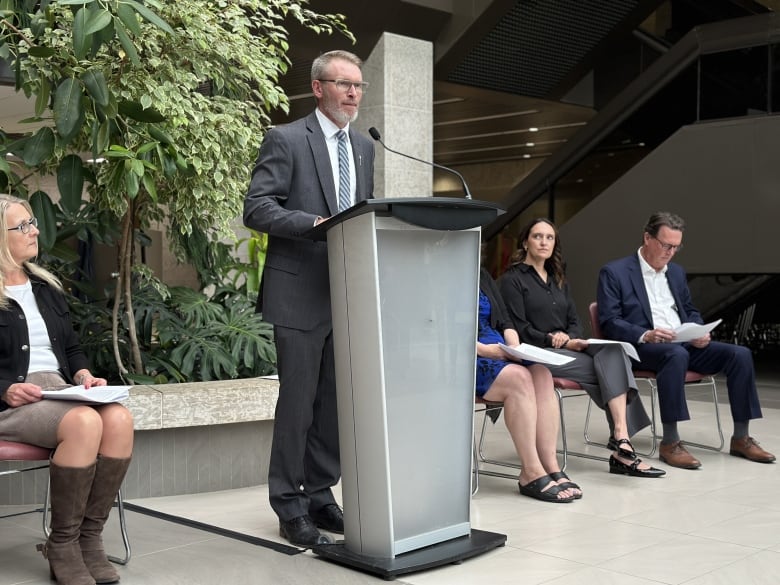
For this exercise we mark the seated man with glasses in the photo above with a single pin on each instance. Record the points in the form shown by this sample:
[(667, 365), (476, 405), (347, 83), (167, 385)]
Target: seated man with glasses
[(642, 299)]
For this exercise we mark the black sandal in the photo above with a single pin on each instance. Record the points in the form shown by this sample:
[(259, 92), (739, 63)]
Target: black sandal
[(620, 468), (535, 489), (558, 475), (632, 469), (615, 445)]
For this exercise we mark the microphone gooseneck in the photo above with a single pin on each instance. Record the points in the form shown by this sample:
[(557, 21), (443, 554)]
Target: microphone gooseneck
[(374, 133)]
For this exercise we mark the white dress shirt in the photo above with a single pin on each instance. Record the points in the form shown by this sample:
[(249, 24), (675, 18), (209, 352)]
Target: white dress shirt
[(329, 129), (662, 304)]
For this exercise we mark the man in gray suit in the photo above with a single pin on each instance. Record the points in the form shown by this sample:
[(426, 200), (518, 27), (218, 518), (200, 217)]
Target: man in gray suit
[(306, 172)]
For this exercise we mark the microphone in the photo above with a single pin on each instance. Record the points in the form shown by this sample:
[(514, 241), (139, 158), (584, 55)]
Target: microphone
[(376, 136)]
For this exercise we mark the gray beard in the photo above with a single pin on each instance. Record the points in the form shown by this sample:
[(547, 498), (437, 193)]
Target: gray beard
[(343, 117)]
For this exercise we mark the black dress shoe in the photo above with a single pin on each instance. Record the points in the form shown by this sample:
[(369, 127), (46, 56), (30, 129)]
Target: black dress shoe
[(302, 532), (617, 466), (330, 518)]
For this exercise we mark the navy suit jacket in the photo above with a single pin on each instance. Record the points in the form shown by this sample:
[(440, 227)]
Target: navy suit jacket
[(292, 184), (624, 308)]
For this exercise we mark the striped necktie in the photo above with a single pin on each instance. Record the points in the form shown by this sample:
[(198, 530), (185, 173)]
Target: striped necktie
[(345, 197)]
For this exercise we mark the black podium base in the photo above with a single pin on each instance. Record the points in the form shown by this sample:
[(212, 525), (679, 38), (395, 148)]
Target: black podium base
[(450, 551)]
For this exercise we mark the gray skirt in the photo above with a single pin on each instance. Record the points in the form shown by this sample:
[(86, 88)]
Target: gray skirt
[(37, 423)]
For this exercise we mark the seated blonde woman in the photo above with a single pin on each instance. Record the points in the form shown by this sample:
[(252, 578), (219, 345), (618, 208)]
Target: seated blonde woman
[(92, 444)]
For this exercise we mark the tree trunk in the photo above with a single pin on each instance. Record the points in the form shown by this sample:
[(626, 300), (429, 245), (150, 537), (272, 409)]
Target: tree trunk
[(123, 295)]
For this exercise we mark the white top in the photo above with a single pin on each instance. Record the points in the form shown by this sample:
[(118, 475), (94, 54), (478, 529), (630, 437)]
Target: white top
[(329, 129), (42, 358), (662, 304)]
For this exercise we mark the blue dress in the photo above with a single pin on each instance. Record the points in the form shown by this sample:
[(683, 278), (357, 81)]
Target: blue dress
[(487, 369)]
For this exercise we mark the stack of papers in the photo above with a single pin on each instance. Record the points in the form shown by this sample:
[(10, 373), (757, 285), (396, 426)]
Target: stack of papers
[(524, 351), (627, 347), (95, 395), (691, 331), (536, 354)]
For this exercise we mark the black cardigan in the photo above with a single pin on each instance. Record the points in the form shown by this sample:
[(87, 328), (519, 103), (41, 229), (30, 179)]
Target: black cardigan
[(15, 337)]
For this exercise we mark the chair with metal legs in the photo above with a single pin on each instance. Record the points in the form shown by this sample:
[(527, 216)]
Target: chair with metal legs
[(648, 377), (20, 452), (564, 388), (491, 410)]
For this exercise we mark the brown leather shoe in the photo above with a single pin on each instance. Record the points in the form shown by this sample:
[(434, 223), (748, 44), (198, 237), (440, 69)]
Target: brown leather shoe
[(676, 455), (748, 448)]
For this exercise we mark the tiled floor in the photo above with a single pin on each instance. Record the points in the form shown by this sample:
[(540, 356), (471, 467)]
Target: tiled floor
[(715, 526)]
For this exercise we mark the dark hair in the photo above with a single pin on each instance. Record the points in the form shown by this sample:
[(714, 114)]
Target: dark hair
[(554, 264), (663, 218)]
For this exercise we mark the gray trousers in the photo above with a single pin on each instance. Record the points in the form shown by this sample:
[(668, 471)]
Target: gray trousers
[(305, 450), (605, 373)]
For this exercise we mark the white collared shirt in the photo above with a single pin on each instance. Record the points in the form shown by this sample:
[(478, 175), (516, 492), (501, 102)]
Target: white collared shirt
[(662, 304), (329, 129)]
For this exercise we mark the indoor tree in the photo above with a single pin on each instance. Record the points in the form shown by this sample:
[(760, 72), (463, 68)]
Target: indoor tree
[(155, 110)]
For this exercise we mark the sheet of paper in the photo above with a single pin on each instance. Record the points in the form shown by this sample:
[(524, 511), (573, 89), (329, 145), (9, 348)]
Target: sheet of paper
[(536, 354), (627, 347), (691, 331), (96, 394)]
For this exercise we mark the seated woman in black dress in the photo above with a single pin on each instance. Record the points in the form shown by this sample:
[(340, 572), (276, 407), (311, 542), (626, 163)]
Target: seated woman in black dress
[(542, 310), (530, 405)]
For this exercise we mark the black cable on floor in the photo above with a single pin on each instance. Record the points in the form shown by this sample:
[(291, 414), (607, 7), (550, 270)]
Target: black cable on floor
[(40, 510), (277, 546)]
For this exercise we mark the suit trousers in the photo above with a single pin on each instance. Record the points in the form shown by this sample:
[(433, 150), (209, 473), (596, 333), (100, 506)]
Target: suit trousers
[(305, 451), (670, 362)]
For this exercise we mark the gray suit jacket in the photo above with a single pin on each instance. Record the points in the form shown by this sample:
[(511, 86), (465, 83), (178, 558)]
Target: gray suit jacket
[(292, 184)]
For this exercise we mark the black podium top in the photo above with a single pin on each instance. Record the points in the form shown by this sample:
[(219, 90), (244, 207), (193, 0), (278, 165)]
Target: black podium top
[(436, 213)]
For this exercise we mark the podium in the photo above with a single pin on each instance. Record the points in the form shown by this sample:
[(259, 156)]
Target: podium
[(404, 281)]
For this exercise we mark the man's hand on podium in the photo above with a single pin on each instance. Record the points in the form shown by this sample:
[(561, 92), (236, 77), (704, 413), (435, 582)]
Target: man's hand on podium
[(320, 220)]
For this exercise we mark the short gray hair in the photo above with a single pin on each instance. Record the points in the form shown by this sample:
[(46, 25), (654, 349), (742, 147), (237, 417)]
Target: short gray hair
[(321, 62)]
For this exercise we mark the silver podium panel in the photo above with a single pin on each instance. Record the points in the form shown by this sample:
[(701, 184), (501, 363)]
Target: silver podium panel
[(404, 302)]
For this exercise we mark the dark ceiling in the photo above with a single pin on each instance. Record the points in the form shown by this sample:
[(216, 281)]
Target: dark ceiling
[(534, 47), (505, 73), (516, 65)]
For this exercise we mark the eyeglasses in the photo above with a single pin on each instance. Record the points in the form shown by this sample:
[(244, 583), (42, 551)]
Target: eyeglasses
[(24, 227), (668, 247), (346, 84)]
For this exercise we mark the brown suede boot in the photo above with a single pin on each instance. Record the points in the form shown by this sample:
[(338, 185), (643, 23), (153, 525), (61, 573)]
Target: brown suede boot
[(70, 487), (109, 474)]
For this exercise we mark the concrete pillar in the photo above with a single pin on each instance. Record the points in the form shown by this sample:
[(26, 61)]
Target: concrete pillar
[(399, 103)]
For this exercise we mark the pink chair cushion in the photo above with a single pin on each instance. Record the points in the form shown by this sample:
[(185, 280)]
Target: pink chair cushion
[(566, 384), (10, 451)]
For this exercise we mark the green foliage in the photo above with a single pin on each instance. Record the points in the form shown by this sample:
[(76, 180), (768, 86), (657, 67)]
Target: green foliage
[(184, 335), (122, 81), (224, 339), (126, 75)]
